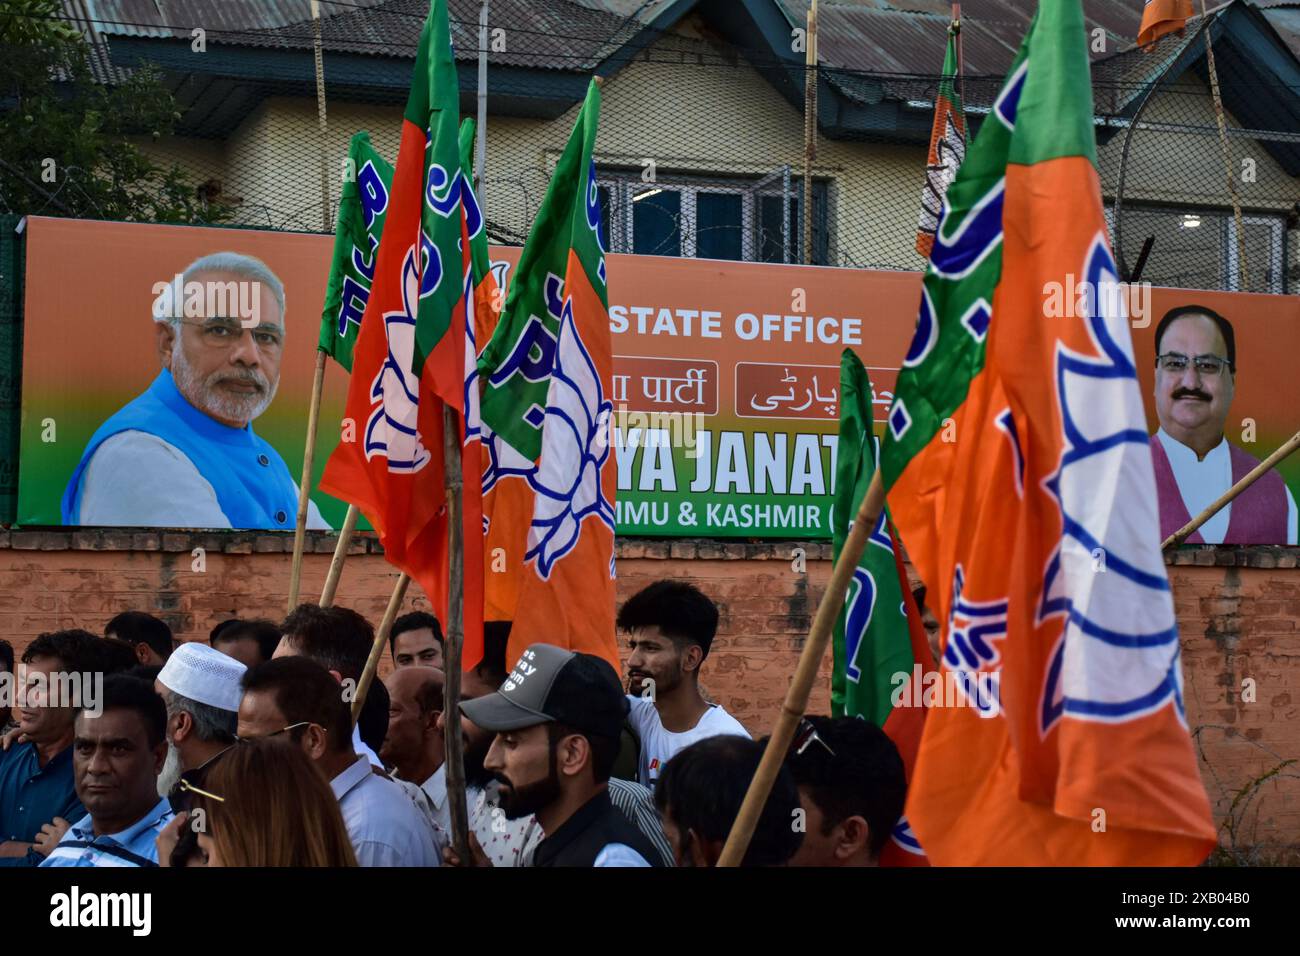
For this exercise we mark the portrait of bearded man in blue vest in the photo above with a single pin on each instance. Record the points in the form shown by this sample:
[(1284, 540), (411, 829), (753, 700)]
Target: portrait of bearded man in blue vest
[(183, 454)]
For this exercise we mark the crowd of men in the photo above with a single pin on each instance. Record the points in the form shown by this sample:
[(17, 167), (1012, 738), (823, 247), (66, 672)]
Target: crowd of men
[(242, 751)]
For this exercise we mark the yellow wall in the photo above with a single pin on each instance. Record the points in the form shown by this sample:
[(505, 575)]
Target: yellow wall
[(719, 119)]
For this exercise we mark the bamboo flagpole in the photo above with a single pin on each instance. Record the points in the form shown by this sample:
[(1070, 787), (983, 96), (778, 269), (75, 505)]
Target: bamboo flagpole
[(1243, 284), (809, 129), (454, 637), (1181, 535), (381, 638), (318, 381), (340, 555), (796, 698), (304, 485), (961, 64)]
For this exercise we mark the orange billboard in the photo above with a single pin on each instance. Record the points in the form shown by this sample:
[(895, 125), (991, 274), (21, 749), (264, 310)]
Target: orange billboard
[(726, 387)]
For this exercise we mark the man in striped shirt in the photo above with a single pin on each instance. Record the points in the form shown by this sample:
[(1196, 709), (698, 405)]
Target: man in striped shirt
[(118, 750)]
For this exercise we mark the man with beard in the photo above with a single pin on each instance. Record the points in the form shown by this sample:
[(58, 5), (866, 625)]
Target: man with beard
[(670, 627), (183, 454), (1196, 369), (557, 720), (201, 688), (117, 755), (501, 841)]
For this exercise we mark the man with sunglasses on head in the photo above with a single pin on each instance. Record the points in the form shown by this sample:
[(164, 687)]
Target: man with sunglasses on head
[(1196, 367), (852, 787), (184, 454)]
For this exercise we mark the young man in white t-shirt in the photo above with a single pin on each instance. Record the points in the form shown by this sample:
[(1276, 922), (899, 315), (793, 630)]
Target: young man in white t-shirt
[(670, 626)]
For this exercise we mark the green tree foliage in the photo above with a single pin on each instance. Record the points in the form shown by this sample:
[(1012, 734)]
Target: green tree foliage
[(68, 142)]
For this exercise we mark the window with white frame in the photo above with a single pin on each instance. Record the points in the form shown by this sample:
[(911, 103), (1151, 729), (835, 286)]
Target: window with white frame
[(752, 219)]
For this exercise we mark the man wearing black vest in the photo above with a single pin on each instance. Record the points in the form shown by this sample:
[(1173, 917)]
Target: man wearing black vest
[(557, 720)]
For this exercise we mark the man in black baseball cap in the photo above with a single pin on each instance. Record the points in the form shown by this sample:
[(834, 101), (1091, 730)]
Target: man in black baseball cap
[(557, 720)]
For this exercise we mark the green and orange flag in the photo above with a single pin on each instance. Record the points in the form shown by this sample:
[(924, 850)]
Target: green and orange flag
[(363, 207), (881, 652), (550, 482), (409, 360), (1018, 470), (947, 147)]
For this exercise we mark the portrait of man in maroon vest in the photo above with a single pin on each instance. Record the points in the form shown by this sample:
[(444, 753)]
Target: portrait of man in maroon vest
[(1196, 374)]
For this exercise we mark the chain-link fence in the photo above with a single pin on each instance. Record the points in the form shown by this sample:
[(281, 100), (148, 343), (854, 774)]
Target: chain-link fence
[(701, 146)]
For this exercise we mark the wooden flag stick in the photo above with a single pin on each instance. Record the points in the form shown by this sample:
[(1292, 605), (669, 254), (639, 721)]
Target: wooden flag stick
[(340, 555), (381, 638), (1243, 283), (304, 486), (453, 640), (1179, 536), (796, 698), (809, 129), (961, 69)]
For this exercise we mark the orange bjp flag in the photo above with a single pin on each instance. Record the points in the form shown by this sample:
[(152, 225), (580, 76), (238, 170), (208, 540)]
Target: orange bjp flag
[(546, 416), (1065, 740), (410, 359)]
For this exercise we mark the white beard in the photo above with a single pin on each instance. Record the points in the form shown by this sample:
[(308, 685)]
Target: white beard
[(210, 401), (171, 771)]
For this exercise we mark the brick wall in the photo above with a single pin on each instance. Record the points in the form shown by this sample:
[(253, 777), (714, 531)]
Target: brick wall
[(1238, 613)]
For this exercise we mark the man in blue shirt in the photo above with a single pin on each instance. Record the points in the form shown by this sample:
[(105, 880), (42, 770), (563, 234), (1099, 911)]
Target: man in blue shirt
[(117, 755), (299, 698), (183, 454), (36, 777)]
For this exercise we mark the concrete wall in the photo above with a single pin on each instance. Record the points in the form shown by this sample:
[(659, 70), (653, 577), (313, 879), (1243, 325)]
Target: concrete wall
[(1238, 614)]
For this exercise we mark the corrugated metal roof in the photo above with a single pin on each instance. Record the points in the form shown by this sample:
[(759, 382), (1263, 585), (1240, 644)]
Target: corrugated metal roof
[(557, 34), (908, 36)]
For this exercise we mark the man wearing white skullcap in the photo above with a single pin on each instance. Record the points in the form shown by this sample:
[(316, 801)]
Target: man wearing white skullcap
[(200, 686)]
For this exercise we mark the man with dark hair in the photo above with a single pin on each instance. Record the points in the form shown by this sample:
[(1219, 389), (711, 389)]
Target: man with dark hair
[(7, 722), (416, 640), (670, 627), (118, 753), (852, 787), (699, 796), (38, 793), (201, 688), (339, 639), (557, 719), (116, 656), (249, 642), (1196, 374), (150, 637), (504, 842), (296, 696)]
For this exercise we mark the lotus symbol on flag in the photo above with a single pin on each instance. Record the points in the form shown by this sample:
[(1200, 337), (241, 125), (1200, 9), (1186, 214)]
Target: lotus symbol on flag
[(575, 446), (391, 429), (1118, 656)]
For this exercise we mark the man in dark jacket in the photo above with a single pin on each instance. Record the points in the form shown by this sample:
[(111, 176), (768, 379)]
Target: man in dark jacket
[(557, 720)]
